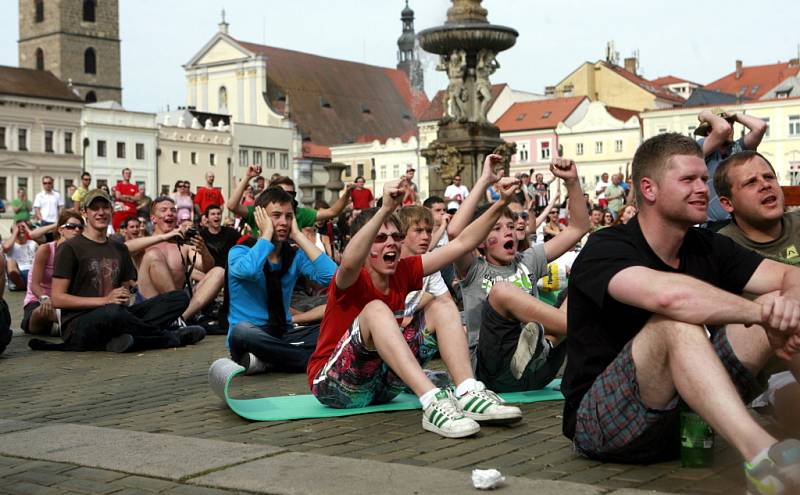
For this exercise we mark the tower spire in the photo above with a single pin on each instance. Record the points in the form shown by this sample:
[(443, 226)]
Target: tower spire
[(223, 26), (407, 59)]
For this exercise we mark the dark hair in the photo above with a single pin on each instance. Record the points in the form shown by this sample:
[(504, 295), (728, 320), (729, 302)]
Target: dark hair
[(366, 215), (432, 200), (651, 158), (360, 177), (320, 204), (273, 195), (86, 174), (721, 182), (128, 220), (283, 180), (63, 217), (211, 207), (177, 184), (157, 200)]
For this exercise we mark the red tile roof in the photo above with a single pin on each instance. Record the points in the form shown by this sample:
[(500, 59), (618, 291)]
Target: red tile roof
[(34, 84), (665, 80), (311, 150), (645, 84), (334, 101), (755, 81), (538, 114), (622, 114), (435, 109)]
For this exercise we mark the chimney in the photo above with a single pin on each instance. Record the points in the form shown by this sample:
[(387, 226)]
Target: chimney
[(630, 64), (794, 62), (738, 69)]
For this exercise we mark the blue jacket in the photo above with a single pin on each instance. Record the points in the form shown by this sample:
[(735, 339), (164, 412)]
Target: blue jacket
[(248, 286)]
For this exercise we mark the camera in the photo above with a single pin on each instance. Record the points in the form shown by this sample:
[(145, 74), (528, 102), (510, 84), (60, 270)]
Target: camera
[(187, 236)]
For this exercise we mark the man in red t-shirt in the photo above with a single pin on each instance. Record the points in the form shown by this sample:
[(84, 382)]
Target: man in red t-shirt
[(207, 196), (126, 199), (364, 357), (361, 196)]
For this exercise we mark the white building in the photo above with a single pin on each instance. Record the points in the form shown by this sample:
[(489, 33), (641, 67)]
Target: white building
[(118, 139)]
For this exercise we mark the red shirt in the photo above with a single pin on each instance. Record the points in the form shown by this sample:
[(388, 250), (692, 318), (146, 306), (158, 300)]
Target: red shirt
[(207, 196), (361, 198), (344, 306), (124, 209)]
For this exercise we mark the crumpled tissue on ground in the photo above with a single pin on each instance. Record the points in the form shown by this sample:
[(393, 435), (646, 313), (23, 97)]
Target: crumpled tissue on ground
[(487, 479)]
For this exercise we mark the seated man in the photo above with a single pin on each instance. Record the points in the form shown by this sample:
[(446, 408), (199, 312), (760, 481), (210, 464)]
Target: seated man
[(261, 276), (363, 357), (511, 332), (169, 266), (748, 190), (644, 298), (92, 281), (21, 249), (218, 238)]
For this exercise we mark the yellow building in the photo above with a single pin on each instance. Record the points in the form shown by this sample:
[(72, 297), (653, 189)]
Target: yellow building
[(781, 144), (615, 86), (603, 141)]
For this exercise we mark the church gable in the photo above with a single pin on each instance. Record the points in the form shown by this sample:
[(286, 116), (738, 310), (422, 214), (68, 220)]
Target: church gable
[(220, 49)]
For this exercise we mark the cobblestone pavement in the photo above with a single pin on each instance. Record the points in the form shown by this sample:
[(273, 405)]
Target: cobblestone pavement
[(167, 392)]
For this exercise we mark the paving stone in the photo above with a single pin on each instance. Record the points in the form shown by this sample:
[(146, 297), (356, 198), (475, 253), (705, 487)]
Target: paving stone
[(87, 486), (25, 488), (143, 484)]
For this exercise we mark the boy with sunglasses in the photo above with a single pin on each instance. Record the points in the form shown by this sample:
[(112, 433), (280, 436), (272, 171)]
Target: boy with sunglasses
[(507, 324), (364, 357)]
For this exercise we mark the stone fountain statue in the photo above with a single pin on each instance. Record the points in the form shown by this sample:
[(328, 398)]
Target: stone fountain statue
[(467, 46)]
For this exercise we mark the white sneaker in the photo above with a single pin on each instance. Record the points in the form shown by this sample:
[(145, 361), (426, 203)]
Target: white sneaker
[(484, 405), (252, 364), (442, 417), (532, 350)]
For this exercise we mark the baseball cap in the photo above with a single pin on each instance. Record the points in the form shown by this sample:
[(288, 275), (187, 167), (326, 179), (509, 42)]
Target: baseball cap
[(704, 129), (96, 194)]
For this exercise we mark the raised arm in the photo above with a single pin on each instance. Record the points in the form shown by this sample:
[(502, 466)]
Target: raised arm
[(8, 243), (142, 243), (338, 206), (533, 226), (303, 242), (358, 248), (720, 130), (579, 223), (39, 233), (757, 128), (234, 203)]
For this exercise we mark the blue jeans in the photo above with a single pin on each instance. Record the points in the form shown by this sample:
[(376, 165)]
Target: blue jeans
[(289, 353)]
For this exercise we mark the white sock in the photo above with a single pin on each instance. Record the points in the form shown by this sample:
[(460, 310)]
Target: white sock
[(759, 457), (426, 398), (467, 385)]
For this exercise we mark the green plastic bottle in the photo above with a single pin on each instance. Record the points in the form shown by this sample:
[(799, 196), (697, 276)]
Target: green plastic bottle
[(697, 440)]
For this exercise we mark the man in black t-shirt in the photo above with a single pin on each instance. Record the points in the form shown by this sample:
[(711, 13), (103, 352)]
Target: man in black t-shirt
[(93, 282), (218, 238), (642, 297)]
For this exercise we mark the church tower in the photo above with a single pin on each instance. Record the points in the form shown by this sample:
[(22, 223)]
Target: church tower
[(77, 40), (406, 56)]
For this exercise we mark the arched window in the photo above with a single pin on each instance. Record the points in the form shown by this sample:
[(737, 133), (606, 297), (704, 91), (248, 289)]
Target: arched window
[(39, 59), (91, 97), (223, 99), (88, 10), (89, 61), (39, 10)]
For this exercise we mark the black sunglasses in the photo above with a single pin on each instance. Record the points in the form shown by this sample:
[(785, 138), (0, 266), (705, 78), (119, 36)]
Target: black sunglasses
[(521, 214), (72, 226), (383, 236)]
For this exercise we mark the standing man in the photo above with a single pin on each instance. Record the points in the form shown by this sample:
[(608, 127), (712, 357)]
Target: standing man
[(615, 194), (362, 197), (412, 193), (600, 190), (539, 191), (127, 196), (207, 195), (48, 203), (717, 128), (455, 194), (80, 192), (655, 315)]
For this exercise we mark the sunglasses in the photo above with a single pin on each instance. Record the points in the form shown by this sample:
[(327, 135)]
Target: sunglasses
[(383, 237), (72, 226), (521, 214), (47, 183)]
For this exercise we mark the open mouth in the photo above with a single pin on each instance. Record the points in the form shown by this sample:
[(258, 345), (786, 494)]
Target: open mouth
[(390, 257), (770, 200), (509, 245)]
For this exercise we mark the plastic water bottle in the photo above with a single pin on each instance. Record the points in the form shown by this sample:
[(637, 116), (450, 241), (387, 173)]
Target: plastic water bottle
[(697, 440)]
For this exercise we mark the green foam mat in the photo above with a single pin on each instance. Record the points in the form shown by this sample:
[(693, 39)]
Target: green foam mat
[(287, 407)]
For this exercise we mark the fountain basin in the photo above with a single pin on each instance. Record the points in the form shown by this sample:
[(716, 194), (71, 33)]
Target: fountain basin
[(471, 37)]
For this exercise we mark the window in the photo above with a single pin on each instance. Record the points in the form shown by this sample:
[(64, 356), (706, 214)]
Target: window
[(89, 61), (257, 158), (284, 161), (175, 157), (766, 121), (120, 150), (2, 138), (270, 159), (223, 99), (22, 183), (383, 171), (598, 146), (243, 158), (579, 149), (545, 150), (88, 10), (48, 141), (523, 154), (193, 157), (39, 59), (662, 130), (101, 148), (67, 184), (140, 151), (101, 182), (690, 130), (3, 188), (91, 97), (22, 139), (68, 143), (794, 125), (212, 158), (39, 11), (396, 170), (618, 145), (360, 170)]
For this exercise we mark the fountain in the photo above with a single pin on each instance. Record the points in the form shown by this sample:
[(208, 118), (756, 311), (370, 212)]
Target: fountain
[(467, 46)]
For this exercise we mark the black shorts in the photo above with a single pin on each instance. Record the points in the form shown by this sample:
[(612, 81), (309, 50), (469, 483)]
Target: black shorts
[(27, 311)]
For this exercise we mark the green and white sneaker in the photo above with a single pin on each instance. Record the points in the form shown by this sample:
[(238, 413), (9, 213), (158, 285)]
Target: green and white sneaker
[(776, 474), (482, 404), (442, 417)]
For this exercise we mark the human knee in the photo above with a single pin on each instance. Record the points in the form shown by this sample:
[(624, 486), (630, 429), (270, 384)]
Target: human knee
[(673, 330), (499, 295), (376, 311)]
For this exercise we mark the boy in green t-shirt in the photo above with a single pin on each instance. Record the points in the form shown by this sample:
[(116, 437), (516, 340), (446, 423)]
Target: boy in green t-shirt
[(21, 206)]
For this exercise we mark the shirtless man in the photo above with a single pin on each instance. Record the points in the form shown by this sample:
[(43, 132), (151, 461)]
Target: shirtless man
[(163, 266)]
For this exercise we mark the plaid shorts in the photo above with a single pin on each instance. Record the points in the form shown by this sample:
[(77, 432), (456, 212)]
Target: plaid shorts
[(614, 425), (356, 376)]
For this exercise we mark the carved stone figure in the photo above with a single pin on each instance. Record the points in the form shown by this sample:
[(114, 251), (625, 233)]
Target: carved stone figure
[(445, 161), (486, 66), (456, 66)]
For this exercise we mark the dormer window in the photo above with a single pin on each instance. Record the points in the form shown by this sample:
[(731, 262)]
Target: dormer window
[(324, 103)]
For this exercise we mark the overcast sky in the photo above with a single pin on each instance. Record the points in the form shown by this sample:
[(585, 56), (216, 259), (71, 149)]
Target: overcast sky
[(699, 41)]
